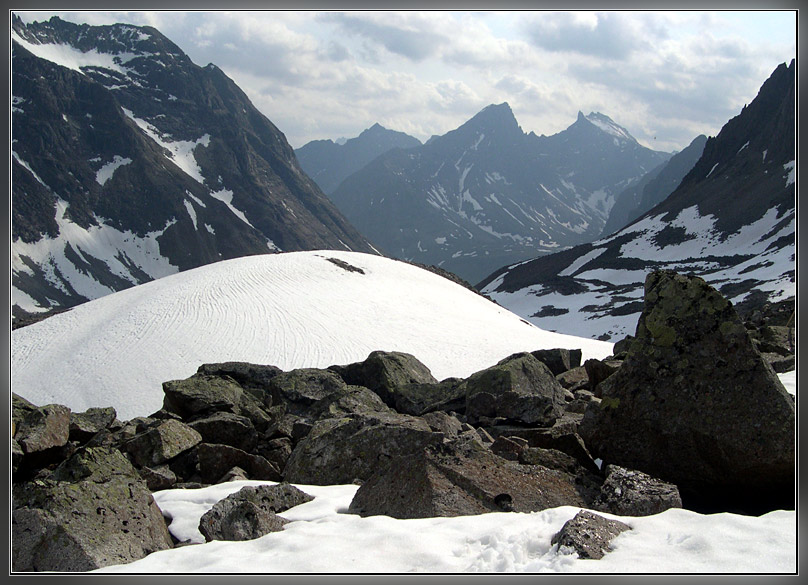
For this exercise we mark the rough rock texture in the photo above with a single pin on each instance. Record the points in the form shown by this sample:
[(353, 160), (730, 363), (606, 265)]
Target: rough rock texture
[(201, 394), (462, 478), (226, 428), (301, 388), (384, 372), (588, 534), (519, 388), (598, 371), (214, 461), (633, 493), (44, 428), (558, 360), (341, 450), (250, 512), (162, 442), (93, 511), (695, 404), (83, 425), (349, 400)]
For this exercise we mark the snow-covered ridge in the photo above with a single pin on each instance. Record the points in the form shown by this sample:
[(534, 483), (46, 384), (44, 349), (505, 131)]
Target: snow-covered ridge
[(291, 310)]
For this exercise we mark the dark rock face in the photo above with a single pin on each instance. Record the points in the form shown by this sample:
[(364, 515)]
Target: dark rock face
[(248, 194), (694, 404), (214, 461), (589, 534), (226, 428), (44, 428), (341, 450), (93, 511), (250, 512), (83, 425), (519, 388), (633, 493), (162, 442), (459, 478), (558, 360)]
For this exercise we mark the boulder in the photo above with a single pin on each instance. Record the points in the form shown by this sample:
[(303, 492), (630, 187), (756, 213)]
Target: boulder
[(201, 394), (519, 389), (162, 442), (92, 512), (251, 512), (694, 404), (589, 535), (384, 372), (420, 398), (299, 389), (226, 428), (341, 450), (43, 428), (84, 425), (158, 478), (627, 492), (574, 379), (462, 478), (599, 370), (348, 400), (558, 360), (251, 377), (214, 461)]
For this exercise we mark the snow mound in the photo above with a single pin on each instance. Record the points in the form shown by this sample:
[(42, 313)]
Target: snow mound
[(292, 310)]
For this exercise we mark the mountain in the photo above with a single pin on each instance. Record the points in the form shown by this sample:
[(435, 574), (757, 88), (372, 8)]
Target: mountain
[(130, 163), (731, 221), (295, 310), (487, 194), (329, 162), (654, 187)]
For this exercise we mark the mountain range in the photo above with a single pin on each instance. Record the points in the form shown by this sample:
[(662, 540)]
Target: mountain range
[(731, 221), (130, 163), (329, 162), (488, 194)]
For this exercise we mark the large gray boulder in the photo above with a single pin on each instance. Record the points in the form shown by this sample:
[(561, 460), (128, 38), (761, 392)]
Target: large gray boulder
[(214, 461), (43, 428), (385, 372), (694, 404), (226, 428), (162, 442), (518, 389), (627, 492), (299, 389), (588, 535), (462, 478), (341, 450), (93, 511), (558, 360), (251, 512)]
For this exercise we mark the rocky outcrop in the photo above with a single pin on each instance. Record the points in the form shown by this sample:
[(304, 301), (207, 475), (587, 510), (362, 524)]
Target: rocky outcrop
[(251, 512), (695, 404), (588, 535), (93, 511)]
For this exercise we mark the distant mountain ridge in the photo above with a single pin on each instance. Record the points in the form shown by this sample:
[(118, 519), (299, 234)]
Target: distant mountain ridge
[(329, 162), (731, 220), (487, 194), (130, 162)]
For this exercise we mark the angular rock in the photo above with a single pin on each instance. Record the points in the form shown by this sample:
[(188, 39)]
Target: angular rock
[(235, 474), (227, 428), (276, 451), (44, 428), (461, 478), (83, 425), (519, 388), (349, 400), (162, 442), (574, 379), (384, 372), (627, 492), (158, 478), (251, 377), (419, 398), (558, 360), (341, 450), (589, 535), (301, 388), (20, 407), (94, 511), (598, 371), (442, 422), (214, 461), (694, 404), (559, 437), (251, 512), (200, 395)]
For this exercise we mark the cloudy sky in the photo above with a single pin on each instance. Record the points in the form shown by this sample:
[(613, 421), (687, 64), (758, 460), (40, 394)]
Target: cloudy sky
[(665, 76)]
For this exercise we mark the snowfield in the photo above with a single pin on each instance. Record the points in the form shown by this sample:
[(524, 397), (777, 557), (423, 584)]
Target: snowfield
[(290, 310), (322, 538)]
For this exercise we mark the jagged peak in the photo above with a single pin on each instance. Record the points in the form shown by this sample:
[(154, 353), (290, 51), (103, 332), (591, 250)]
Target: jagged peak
[(605, 124)]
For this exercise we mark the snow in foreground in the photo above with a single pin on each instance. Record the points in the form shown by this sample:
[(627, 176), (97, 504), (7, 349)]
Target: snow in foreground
[(322, 538), (293, 310)]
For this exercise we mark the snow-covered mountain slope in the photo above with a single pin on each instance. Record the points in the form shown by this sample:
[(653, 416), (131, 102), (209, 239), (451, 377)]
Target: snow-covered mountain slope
[(130, 162), (292, 310), (486, 194), (732, 221)]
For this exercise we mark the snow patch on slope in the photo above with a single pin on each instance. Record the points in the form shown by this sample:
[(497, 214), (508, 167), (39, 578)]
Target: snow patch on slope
[(291, 310)]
